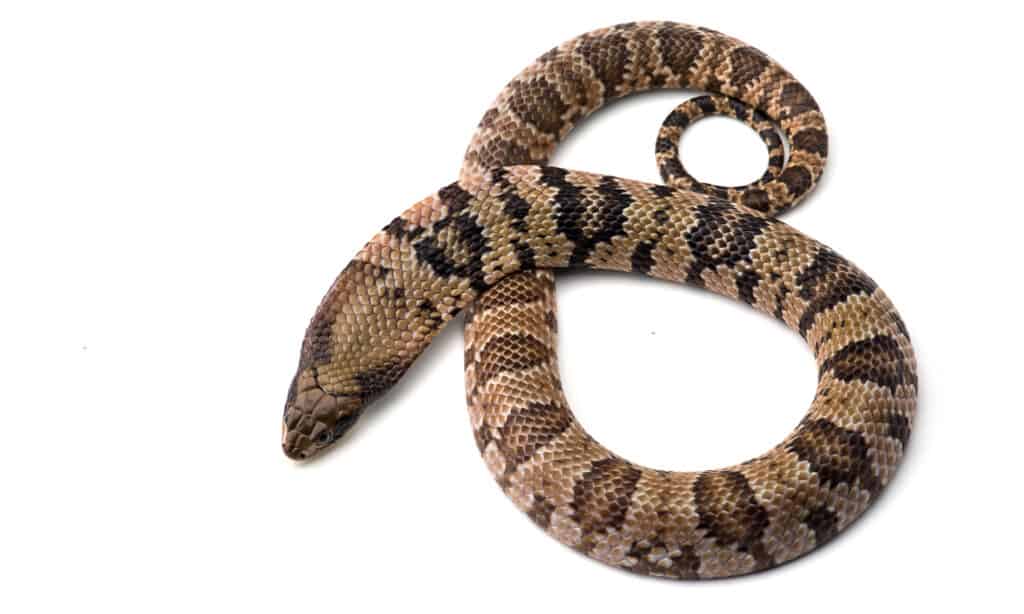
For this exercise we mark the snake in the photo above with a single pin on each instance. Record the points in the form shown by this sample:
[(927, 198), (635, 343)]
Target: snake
[(488, 245)]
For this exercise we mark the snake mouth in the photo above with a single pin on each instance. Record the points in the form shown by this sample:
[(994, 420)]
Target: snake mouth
[(294, 452), (292, 444)]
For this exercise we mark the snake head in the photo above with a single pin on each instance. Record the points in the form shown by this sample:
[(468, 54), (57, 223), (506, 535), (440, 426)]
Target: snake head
[(315, 418)]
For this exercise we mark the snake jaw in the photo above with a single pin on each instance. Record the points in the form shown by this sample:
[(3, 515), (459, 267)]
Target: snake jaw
[(314, 418)]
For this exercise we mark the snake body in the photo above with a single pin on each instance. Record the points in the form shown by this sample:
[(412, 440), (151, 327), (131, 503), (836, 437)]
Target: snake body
[(488, 242)]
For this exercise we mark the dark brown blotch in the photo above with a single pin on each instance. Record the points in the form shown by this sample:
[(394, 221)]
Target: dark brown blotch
[(528, 429), (836, 455), (798, 100), (812, 140), (757, 199), (608, 57), (827, 282), (455, 197), (879, 360), (539, 103), (504, 152), (583, 226), (483, 437), (602, 495), (747, 65), (642, 259), (723, 234), (541, 510), (797, 180), (318, 340), (824, 522), (510, 352), (663, 191), (376, 380), (672, 169), (746, 282), (679, 49), (730, 513), (899, 428)]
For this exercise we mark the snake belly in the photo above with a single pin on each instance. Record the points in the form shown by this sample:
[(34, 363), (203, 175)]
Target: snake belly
[(489, 241)]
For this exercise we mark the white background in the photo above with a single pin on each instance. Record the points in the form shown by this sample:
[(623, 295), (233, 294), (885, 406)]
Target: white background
[(181, 181)]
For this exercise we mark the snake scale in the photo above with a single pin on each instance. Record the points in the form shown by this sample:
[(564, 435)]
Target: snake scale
[(488, 244)]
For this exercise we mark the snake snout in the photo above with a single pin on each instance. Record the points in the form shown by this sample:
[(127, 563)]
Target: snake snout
[(314, 419), (294, 444)]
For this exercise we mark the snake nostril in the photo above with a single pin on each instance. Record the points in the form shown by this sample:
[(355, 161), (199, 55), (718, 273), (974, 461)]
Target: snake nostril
[(292, 450)]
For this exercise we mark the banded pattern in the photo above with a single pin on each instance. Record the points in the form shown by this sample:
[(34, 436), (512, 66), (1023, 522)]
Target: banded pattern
[(489, 239), (666, 148), (542, 104), (451, 248)]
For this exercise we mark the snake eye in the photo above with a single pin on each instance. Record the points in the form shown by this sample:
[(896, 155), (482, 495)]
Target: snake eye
[(325, 437)]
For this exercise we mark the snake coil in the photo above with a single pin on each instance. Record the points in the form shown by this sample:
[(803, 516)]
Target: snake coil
[(488, 243)]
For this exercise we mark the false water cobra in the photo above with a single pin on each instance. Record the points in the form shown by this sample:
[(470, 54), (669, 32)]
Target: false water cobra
[(489, 242)]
